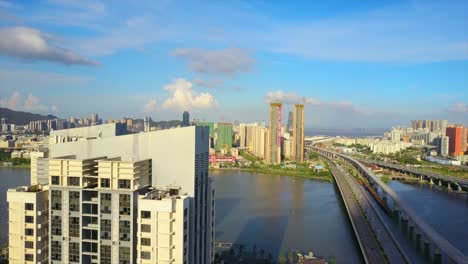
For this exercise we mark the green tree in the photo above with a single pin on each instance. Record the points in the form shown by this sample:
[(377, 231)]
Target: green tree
[(282, 258), (291, 257)]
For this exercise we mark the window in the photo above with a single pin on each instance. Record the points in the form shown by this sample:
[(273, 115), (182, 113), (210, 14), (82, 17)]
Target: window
[(124, 184), (56, 225), (145, 241), (74, 227), (105, 254), (105, 183), (73, 181), (29, 206), (74, 199), (106, 199), (145, 214), (29, 219), (145, 255), (124, 230), (124, 255), (124, 204), (105, 229), (56, 250), (28, 244), (28, 257), (146, 228), (74, 252), (29, 232), (55, 180), (56, 200)]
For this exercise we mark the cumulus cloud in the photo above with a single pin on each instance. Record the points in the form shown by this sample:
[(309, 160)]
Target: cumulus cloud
[(459, 108), (289, 98), (12, 102), (30, 103), (54, 109), (183, 97), (229, 61), (33, 45), (215, 83), (151, 106)]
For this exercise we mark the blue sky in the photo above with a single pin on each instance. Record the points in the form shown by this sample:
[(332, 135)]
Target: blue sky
[(354, 63)]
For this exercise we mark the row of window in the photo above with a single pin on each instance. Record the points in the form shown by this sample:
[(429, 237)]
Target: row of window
[(105, 183)]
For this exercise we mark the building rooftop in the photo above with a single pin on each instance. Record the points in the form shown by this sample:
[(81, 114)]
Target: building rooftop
[(31, 189)]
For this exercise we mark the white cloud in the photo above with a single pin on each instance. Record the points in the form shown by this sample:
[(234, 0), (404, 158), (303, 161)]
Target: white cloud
[(459, 108), (33, 45), (30, 103), (183, 97), (224, 61), (13, 102), (289, 98), (54, 109), (151, 106)]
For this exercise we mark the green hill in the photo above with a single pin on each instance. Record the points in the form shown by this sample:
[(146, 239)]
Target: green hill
[(22, 118)]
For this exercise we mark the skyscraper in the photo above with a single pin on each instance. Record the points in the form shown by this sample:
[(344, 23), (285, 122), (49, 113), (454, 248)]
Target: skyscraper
[(298, 133), (290, 121), (455, 140), (275, 133), (185, 119), (147, 124), (224, 136)]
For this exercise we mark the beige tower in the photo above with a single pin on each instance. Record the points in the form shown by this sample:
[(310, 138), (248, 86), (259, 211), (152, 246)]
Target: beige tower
[(298, 133), (275, 134)]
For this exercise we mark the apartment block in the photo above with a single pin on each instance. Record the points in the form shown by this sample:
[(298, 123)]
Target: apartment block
[(28, 224), (163, 227)]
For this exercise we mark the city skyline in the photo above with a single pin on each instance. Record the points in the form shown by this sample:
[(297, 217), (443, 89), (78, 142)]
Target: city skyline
[(377, 76)]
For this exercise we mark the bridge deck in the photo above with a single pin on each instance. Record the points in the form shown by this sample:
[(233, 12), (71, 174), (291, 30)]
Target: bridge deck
[(368, 243)]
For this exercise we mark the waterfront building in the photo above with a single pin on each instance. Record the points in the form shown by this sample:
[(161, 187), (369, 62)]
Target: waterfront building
[(28, 224), (224, 136), (274, 155), (443, 145), (39, 168), (298, 133), (454, 133)]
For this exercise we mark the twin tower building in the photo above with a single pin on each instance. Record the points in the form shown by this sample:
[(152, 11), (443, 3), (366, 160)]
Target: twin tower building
[(275, 144), (99, 195)]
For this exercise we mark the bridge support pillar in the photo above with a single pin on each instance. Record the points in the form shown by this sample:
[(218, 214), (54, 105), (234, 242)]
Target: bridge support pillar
[(440, 182), (459, 188), (431, 181), (427, 249), (421, 178), (437, 257), (396, 214), (404, 224), (418, 241), (411, 232), (449, 186)]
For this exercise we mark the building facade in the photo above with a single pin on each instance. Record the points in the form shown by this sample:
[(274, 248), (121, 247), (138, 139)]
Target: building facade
[(274, 155), (28, 225), (298, 133), (224, 136), (455, 140)]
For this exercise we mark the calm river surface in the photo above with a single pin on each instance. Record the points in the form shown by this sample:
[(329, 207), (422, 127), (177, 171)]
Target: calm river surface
[(280, 213)]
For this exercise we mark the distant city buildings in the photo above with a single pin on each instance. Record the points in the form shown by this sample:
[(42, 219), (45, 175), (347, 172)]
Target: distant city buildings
[(224, 136), (185, 119), (456, 138)]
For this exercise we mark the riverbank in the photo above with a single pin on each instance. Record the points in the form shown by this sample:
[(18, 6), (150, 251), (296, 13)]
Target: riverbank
[(21, 166), (277, 173)]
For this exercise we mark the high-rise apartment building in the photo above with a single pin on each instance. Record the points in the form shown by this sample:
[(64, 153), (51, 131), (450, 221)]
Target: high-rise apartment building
[(274, 155), (185, 119), (298, 133), (28, 224), (443, 145), (455, 140), (224, 136), (290, 121)]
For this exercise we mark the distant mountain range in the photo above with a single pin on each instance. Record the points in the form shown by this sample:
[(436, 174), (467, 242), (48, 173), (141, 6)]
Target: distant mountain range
[(22, 118)]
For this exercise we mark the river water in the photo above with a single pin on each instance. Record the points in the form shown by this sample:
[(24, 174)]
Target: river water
[(280, 213)]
